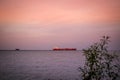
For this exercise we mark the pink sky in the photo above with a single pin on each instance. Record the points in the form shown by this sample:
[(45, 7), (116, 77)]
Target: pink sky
[(44, 24)]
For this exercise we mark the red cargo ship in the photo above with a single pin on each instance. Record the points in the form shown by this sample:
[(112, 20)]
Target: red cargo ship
[(64, 49)]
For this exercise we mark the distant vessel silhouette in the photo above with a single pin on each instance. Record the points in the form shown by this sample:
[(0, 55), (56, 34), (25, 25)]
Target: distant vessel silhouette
[(17, 49), (64, 49)]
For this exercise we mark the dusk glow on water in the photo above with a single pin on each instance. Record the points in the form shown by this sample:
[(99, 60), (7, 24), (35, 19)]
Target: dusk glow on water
[(40, 65)]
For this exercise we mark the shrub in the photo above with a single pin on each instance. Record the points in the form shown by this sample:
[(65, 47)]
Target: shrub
[(99, 64)]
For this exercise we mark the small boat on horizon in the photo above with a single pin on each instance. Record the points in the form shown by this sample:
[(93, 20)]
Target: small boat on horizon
[(17, 49)]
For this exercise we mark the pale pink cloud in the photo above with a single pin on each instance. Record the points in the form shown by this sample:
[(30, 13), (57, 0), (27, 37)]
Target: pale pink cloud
[(72, 11)]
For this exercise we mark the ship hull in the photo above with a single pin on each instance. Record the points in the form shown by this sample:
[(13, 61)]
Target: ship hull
[(64, 49)]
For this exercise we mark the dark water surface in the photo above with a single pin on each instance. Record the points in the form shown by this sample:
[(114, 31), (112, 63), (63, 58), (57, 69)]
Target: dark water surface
[(40, 65)]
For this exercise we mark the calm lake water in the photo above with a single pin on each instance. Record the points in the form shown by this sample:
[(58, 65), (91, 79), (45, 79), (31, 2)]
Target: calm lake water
[(40, 65)]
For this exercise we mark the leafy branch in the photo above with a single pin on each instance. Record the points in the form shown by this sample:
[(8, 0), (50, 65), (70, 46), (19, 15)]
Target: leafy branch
[(100, 64)]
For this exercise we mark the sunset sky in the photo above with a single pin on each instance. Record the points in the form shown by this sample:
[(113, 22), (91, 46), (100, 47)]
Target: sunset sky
[(45, 24)]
